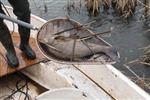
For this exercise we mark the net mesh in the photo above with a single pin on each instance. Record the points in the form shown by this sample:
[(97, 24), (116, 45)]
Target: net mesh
[(65, 40)]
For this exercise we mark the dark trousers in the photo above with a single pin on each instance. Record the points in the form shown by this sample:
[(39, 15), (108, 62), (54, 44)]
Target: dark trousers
[(22, 11)]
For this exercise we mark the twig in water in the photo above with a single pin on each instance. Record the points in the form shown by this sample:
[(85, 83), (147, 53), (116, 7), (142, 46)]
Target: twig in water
[(144, 63), (138, 77), (144, 48), (133, 61)]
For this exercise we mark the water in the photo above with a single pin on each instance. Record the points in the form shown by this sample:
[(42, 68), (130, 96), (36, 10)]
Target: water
[(126, 37)]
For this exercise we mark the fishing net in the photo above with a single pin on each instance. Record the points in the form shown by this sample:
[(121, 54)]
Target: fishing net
[(67, 41)]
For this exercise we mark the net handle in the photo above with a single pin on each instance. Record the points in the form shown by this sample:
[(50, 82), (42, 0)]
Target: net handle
[(19, 22)]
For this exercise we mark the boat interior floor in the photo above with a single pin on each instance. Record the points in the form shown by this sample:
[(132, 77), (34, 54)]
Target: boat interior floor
[(17, 86), (24, 62)]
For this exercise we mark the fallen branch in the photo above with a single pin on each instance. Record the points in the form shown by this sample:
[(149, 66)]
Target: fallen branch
[(137, 76)]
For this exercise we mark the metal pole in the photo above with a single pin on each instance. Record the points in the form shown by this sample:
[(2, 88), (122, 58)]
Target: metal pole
[(27, 25)]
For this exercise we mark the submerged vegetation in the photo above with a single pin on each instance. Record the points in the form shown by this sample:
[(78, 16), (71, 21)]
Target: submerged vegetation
[(123, 8), (93, 6)]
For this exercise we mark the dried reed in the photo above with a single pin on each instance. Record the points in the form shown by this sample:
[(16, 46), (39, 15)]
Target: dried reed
[(126, 8), (93, 6), (140, 81), (145, 59)]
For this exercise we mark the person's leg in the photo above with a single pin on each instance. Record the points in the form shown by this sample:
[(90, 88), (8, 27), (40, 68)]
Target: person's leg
[(6, 40), (22, 11)]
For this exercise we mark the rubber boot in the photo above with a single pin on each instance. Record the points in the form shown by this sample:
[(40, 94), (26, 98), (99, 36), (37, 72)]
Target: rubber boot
[(6, 41), (22, 11), (24, 45), (25, 36)]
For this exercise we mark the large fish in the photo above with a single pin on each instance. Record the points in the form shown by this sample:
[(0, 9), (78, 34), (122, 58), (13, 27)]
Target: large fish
[(70, 49)]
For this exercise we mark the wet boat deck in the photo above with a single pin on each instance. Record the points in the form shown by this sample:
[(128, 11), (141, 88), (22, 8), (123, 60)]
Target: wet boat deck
[(24, 62)]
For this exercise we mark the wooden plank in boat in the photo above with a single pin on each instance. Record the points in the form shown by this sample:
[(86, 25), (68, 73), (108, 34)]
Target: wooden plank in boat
[(23, 61)]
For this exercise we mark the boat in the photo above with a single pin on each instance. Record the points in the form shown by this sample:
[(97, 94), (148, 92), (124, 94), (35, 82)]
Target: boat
[(94, 82)]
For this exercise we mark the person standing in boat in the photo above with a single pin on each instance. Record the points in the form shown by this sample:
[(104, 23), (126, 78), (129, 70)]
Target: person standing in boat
[(22, 11)]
